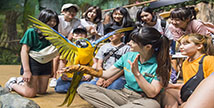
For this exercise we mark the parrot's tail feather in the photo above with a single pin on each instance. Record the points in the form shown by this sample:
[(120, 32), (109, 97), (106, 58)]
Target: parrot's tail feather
[(72, 89), (71, 98), (66, 99)]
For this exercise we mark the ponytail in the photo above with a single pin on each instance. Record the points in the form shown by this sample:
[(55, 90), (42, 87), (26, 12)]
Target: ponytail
[(163, 59), (208, 45)]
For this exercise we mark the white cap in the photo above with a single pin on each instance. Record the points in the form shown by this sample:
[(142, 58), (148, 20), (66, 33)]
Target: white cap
[(68, 5)]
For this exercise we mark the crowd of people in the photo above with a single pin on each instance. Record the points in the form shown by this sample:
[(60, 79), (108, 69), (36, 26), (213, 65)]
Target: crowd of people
[(132, 68)]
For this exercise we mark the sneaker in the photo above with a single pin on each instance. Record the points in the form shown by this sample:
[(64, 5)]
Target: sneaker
[(9, 83), (20, 81), (52, 83)]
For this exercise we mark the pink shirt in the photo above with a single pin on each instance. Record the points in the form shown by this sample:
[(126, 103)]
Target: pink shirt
[(194, 26)]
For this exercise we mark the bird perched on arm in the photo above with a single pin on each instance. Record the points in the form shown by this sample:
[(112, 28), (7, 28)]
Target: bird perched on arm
[(81, 53)]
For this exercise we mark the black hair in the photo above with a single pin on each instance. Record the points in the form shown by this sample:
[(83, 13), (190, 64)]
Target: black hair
[(126, 21), (46, 15), (80, 31), (145, 9), (98, 17), (160, 43), (184, 13)]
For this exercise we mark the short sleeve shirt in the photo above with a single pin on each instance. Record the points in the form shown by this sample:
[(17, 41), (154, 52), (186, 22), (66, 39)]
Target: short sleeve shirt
[(194, 26), (148, 66), (190, 68), (65, 28), (32, 39), (105, 49)]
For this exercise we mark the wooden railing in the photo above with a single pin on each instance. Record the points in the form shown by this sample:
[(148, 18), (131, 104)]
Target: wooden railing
[(127, 6)]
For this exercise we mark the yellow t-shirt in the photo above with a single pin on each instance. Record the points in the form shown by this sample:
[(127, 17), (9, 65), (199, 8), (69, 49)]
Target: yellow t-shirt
[(189, 69)]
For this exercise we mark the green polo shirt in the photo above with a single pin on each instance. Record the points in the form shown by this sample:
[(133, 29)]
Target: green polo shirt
[(149, 66), (32, 39)]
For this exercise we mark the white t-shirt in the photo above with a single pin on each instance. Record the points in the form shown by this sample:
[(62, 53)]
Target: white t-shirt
[(166, 31), (65, 28)]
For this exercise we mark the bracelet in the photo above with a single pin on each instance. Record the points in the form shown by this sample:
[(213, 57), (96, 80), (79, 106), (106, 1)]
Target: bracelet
[(138, 74)]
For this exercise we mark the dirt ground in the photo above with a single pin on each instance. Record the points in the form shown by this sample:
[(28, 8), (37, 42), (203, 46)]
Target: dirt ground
[(50, 100)]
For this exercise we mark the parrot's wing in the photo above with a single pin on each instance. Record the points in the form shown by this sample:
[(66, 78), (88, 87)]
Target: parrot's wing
[(108, 35), (66, 48), (72, 89)]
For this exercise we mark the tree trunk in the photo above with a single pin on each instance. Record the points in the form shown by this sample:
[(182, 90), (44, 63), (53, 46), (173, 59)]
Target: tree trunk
[(7, 38)]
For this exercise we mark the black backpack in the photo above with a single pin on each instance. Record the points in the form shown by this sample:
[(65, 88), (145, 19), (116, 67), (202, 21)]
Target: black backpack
[(163, 24)]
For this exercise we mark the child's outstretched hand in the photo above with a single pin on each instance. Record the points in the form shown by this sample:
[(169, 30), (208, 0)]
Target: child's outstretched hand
[(63, 70)]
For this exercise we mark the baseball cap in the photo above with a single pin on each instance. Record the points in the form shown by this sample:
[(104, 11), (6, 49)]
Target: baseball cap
[(68, 5)]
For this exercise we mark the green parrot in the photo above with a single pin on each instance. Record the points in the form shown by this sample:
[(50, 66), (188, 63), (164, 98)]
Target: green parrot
[(81, 54)]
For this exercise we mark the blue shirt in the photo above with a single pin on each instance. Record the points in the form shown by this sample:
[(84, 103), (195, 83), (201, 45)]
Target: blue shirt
[(148, 66)]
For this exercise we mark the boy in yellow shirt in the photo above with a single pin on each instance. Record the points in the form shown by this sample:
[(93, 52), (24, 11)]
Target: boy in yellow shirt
[(64, 81)]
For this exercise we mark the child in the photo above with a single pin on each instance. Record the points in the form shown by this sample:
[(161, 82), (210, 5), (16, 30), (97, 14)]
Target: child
[(120, 17), (67, 23), (35, 75), (64, 81), (184, 22), (117, 49), (195, 46), (92, 22), (146, 17), (144, 71)]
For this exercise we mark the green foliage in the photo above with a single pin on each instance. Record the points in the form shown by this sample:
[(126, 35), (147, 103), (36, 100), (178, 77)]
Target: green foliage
[(8, 5), (30, 8), (1, 23), (51, 4), (103, 4), (9, 57)]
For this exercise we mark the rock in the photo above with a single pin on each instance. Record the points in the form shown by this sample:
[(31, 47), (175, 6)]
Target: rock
[(1, 105), (13, 100), (205, 12)]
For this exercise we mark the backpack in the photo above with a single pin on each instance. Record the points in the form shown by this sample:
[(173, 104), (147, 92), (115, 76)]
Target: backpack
[(163, 24)]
